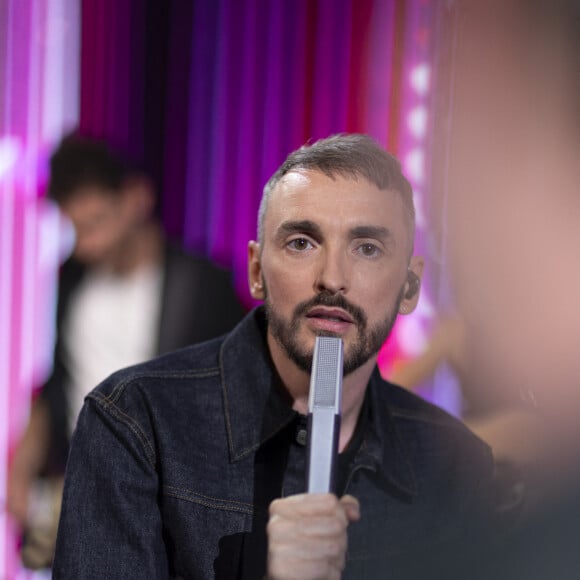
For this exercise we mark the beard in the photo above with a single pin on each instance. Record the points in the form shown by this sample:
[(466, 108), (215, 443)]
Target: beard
[(367, 344)]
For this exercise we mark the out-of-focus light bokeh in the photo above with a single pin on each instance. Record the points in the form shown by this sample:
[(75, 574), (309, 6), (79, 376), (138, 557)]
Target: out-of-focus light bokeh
[(39, 52)]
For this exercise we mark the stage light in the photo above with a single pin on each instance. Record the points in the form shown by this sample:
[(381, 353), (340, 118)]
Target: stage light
[(9, 153), (420, 78), (415, 166), (417, 122)]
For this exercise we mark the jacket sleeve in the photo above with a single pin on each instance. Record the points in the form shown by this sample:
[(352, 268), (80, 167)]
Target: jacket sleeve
[(110, 524)]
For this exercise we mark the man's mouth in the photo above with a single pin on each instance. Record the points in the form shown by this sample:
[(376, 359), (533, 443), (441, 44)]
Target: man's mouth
[(330, 314)]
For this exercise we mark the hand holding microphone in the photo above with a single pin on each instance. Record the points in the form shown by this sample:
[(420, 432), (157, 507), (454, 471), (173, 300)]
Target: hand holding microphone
[(307, 536), (307, 533)]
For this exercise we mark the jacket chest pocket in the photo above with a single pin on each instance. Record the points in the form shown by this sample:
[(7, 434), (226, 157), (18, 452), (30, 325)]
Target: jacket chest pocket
[(213, 538)]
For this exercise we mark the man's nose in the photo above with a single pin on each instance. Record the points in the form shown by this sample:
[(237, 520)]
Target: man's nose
[(333, 272)]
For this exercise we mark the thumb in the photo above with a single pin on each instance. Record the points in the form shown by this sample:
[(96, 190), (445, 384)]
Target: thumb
[(351, 507)]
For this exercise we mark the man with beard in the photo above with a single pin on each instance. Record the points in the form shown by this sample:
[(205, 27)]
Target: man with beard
[(193, 465)]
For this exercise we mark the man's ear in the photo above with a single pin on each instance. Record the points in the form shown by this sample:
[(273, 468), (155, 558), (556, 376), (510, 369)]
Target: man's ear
[(255, 271), (412, 285)]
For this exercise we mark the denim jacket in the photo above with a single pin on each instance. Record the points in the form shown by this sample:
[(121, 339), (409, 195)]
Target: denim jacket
[(174, 462)]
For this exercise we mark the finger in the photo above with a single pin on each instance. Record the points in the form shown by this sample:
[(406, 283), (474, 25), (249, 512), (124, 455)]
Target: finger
[(306, 504), (311, 559), (308, 529), (351, 507), (283, 569), (17, 506)]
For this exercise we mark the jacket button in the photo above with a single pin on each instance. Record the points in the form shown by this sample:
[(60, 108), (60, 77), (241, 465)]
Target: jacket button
[(301, 436)]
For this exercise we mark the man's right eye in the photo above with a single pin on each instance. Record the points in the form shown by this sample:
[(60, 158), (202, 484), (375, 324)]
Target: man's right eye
[(299, 244)]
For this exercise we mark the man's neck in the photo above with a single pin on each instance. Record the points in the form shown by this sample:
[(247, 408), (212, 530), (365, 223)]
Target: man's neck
[(297, 384)]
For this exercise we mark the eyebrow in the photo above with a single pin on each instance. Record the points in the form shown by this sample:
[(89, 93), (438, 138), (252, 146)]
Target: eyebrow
[(376, 232), (299, 227), (312, 229)]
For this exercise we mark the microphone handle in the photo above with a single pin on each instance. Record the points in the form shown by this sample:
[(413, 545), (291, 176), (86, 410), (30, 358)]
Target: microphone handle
[(324, 430)]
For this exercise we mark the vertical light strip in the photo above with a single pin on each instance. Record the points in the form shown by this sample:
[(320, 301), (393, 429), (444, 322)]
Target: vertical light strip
[(414, 139), (39, 80), (415, 112), (415, 135), (6, 236), (24, 300), (28, 297), (6, 239), (61, 111)]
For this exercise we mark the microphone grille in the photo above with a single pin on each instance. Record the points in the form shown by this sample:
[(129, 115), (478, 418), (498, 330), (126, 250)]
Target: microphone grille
[(327, 371)]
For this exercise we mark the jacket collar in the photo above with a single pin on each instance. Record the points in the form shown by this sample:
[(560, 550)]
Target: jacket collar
[(256, 407), (254, 402)]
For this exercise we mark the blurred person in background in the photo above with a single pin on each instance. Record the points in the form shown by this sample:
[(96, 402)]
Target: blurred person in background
[(125, 295)]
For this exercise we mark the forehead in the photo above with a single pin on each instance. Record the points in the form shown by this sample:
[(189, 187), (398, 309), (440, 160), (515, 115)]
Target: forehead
[(338, 203)]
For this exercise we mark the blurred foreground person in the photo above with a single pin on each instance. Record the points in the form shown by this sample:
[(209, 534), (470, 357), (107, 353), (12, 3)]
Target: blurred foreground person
[(125, 296), (193, 465), (502, 417), (513, 240)]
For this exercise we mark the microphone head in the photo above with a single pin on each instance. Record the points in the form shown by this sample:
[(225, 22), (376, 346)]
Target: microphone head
[(324, 406), (326, 375)]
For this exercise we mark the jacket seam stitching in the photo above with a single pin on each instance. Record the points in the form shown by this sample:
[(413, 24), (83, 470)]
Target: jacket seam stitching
[(443, 422), (210, 502), (120, 387), (135, 428)]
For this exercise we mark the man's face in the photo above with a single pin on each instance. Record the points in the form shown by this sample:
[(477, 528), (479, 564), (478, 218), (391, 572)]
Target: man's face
[(102, 222), (333, 262)]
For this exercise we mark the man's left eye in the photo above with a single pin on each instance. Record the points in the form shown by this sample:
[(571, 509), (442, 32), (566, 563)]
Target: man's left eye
[(369, 250), (299, 244)]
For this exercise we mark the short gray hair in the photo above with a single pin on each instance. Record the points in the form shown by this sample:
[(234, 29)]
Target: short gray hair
[(348, 155)]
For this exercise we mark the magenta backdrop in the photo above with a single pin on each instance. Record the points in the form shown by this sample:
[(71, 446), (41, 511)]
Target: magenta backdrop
[(217, 93)]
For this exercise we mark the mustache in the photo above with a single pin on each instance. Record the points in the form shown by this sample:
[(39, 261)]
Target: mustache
[(332, 301)]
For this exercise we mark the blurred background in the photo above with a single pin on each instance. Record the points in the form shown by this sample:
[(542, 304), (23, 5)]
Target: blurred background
[(479, 100)]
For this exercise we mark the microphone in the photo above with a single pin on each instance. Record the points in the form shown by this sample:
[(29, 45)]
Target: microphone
[(324, 408)]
